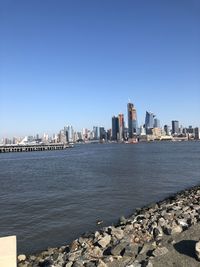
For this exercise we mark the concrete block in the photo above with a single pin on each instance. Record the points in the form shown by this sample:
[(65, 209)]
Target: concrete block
[(8, 251)]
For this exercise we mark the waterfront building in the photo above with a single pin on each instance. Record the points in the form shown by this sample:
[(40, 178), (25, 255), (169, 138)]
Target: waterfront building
[(121, 126), (62, 138), (115, 128), (175, 127), (149, 122), (142, 130), (156, 123), (167, 130), (69, 132), (190, 130), (132, 120), (197, 133), (157, 132), (102, 134), (95, 132), (109, 134)]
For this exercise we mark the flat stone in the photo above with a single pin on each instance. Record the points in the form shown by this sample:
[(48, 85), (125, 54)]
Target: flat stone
[(97, 252), (104, 241), (101, 264), (197, 250), (74, 245), (160, 251), (131, 250), (118, 233), (119, 249), (176, 229), (135, 264), (78, 264)]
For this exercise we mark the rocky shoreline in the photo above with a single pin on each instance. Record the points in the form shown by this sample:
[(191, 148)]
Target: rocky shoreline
[(153, 236)]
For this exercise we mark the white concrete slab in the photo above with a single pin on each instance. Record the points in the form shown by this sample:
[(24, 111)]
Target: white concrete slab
[(8, 251)]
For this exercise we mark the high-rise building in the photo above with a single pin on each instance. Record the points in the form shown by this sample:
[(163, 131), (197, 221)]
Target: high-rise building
[(102, 133), (121, 126), (95, 132), (175, 127), (167, 130), (69, 132), (132, 120), (149, 121), (115, 128), (197, 133), (156, 123)]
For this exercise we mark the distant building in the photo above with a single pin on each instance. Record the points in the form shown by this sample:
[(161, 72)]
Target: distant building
[(197, 133), (115, 128), (95, 132), (132, 120), (167, 130), (190, 130), (156, 123), (149, 122), (102, 133), (121, 126), (142, 130), (62, 138), (69, 132), (175, 127)]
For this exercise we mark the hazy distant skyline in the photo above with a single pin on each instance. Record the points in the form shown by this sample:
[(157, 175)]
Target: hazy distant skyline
[(79, 62)]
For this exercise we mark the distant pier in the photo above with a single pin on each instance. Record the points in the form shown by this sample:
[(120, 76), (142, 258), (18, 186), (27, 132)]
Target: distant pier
[(34, 147)]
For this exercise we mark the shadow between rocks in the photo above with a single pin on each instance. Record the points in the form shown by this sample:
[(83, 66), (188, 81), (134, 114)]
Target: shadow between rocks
[(186, 247)]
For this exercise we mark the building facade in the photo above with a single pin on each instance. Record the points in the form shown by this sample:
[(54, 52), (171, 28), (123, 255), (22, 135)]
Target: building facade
[(175, 127), (132, 120)]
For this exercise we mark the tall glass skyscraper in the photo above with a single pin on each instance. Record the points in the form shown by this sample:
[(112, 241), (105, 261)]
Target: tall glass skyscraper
[(149, 120), (175, 127), (132, 120), (115, 127)]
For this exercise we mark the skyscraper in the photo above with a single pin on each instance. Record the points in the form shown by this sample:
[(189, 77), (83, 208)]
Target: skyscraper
[(132, 120), (156, 123), (102, 133), (149, 120), (175, 127), (95, 132), (115, 127), (121, 126)]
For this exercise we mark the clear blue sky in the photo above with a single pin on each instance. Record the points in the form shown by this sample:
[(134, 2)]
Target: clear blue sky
[(78, 62)]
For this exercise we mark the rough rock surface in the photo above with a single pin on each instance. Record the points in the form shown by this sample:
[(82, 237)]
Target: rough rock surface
[(162, 234)]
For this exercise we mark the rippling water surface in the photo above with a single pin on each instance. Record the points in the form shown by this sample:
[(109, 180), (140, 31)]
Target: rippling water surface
[(49, 198)]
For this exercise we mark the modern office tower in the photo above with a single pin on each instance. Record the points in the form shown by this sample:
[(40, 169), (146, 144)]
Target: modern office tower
[(156, 123), (102, 133), (95, 132), (62, 138), (149, 120), (132, 120), (142, 130), (167, 130), (175, 127), (190, 130), (69, 132), (121, 126), (109, 134), (197, 133), (115, 127)]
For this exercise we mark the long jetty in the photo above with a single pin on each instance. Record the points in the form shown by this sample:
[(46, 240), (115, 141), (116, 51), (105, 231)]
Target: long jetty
[(33, 147)]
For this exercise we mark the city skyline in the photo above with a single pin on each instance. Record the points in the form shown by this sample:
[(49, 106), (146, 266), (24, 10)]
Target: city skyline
[(120, 128), (78, 63)]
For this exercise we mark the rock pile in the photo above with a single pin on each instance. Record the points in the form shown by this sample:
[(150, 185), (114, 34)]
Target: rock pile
[(133, 242)]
